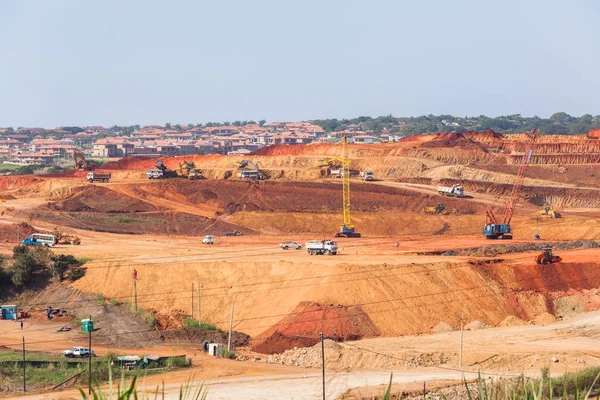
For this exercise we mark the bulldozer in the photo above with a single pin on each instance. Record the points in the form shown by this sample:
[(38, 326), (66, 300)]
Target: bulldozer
[(546, 257), (62, 237), (548, 212), (437, 209), (81, 164)]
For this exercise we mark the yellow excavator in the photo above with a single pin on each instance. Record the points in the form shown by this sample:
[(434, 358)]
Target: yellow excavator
[(188, 169), (81, 164), (548, 212)]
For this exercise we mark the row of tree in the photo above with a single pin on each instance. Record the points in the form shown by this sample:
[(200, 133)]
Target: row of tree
[(557, 123)]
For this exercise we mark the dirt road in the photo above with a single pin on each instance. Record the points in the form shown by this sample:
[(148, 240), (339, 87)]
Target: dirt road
[(282, 387)]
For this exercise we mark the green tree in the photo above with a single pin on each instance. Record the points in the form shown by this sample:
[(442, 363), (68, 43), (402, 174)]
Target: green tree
[(262, 122), (21, 271), (178, 127), (168, 125), (62, 263)]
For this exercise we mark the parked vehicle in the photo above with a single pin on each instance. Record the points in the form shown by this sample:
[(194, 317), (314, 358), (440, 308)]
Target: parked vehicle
[(78, 352), (367, 175), (40, 239), (320, 247), (234, 233), (290, 245), (208, 239), (453, 191), (160, 174), (95, 177)]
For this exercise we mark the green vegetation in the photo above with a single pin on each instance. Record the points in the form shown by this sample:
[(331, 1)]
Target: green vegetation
[(114, 302), (28, 260), (558, 123), (126, 220), (187, 391), (192, 323), (100, 299), (228, 354), (62, 263), (76, 273)]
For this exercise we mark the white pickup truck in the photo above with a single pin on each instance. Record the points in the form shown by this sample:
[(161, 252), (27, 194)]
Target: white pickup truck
[(78, 352), (320, 247), (290, 245)]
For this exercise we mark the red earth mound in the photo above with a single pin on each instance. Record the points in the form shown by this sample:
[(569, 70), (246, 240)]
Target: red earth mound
[(301, 327), (12, 233)]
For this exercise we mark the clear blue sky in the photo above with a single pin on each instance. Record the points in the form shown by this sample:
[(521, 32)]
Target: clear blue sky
[(125, 62)]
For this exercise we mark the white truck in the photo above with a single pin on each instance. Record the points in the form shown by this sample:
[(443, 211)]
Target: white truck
[(96, 177), (320, 247), (367, 175), (452, 191), (290, 245), (78, 352)]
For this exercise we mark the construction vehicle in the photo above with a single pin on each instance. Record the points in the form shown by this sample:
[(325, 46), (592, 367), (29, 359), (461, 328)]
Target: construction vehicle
[(437, 209), (185, 168), (452, 191), (320, 247), (246, 172), (492, 228), (346, 229), (92, 177), (62, 237), (367, 175), (546, 257), (161, 171), (81, 164), (548, 212)]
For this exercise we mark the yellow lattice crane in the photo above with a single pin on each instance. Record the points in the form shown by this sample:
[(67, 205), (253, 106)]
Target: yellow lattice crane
[(346, 229)]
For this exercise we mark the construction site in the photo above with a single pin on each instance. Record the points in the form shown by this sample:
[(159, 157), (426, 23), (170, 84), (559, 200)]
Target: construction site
[(433, 257)]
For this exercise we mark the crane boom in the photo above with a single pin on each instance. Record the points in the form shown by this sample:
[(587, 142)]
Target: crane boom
[(346, 185), (518, 186)]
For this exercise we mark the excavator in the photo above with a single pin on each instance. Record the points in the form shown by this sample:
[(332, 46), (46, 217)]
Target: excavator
[(327, 166), (246, 173), (493, 229), (546, 257), (81, 164), (188, 169)]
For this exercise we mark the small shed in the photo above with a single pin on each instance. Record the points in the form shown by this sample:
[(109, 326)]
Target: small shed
[(8, 311), (130, 362)]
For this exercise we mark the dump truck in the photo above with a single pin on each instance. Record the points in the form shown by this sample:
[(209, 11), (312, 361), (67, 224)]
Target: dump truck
[(452, 191), (546, 257), (320, 247), (367, 175), (161, 171), (96, 177)]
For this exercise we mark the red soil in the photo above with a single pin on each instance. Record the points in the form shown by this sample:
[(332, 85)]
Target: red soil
[(301, 327), (9, 233)]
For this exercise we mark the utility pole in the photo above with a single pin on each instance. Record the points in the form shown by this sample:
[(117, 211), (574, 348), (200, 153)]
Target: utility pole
[(18, 234), (230, 327), (135, 290), (24, 380), (424, 390), (199, 320), (323, 362), (192, 301), (460, 357), (90, 356)]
